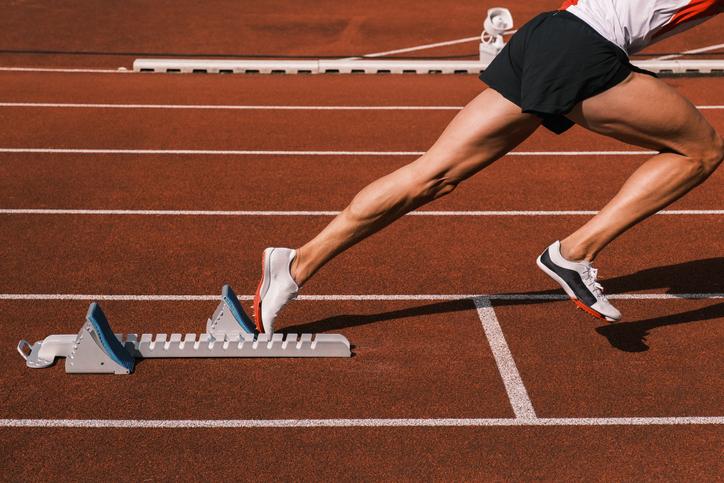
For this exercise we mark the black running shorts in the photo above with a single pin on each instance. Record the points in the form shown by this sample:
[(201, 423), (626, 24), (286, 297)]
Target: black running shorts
[(554, 62)]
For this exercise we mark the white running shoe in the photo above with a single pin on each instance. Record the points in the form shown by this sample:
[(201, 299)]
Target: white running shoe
[(276, 287), (578, 279)]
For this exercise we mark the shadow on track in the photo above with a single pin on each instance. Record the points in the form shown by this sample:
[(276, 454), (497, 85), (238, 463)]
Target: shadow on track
[(631, 336), (688, 277)]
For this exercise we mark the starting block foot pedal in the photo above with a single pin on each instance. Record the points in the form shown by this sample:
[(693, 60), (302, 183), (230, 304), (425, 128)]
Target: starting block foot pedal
[(229, 333), (229, 320), (95, 349)]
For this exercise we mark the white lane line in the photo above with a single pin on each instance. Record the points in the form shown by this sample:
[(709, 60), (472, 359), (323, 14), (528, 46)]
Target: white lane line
[(694, 51), (357, 297), (353, 423), (456, 213), (416, 48), (242, 107), (245, 152), (228, 107), (517, 394), (424, 47), (65, 69), (240, 152)]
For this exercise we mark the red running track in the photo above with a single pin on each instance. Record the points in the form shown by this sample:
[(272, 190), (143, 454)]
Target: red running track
[(421, 358)]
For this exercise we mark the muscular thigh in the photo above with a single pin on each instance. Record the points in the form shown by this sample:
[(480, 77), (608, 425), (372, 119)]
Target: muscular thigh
[(647, 112), (486, 129)]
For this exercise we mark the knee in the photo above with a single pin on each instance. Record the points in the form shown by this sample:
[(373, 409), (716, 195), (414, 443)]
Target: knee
[(714, 155), (707, 158)]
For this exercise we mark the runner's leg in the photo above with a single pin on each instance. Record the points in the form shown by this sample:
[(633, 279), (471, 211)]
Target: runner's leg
[(487, 128), (646, 112)]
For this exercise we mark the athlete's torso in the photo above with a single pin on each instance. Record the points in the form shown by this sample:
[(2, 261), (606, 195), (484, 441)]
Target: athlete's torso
[(634, 24)]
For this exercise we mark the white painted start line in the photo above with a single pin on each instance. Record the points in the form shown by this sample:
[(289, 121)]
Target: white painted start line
[(246, 152), (242, 107), (357, 423), (451, 213)]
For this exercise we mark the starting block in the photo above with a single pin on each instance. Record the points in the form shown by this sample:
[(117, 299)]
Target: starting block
[(229, 333)]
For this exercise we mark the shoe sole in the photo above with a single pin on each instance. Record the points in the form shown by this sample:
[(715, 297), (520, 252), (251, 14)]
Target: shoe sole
[(570, 292), (257, 297)]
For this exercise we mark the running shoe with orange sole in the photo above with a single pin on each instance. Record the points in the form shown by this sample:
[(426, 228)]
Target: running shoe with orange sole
[(578, 280)]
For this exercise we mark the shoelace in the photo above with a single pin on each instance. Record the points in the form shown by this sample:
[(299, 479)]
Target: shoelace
[(589, 276)]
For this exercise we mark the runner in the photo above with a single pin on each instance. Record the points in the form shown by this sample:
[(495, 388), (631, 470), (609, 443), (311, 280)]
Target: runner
[(563, 67)]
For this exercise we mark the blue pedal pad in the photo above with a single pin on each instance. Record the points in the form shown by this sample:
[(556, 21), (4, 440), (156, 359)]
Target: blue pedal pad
[(107, 339), (228, 296)]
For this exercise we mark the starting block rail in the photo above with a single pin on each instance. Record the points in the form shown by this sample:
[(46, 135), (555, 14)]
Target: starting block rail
[(229, 333)]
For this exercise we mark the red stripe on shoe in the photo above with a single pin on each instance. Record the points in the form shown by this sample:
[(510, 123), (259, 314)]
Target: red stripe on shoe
[(257, 299)]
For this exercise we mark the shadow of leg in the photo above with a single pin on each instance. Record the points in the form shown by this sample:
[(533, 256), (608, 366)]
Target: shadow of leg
[(338, 322), (687, 277), (631, 337)]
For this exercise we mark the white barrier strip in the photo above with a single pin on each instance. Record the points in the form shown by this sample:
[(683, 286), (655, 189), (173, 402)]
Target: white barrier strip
[(514, 387), (246, 152), (360, 298), (421, 66), (458, 213), (240, 107), (352, 423), (362, 66)]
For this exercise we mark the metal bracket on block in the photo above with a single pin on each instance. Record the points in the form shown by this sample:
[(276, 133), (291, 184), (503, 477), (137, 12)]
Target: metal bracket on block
[(229, 333)]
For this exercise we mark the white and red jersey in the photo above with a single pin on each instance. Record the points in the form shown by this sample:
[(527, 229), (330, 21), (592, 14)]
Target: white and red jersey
[(635, 24)]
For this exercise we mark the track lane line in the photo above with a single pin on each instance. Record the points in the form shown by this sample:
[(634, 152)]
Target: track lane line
[(357, 297), (446, 43), (693, 51), (417, 47), (245, 152), (351, 423), (514, 387), (226, 107), (67, 70), (246, 107), (456, 213)]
